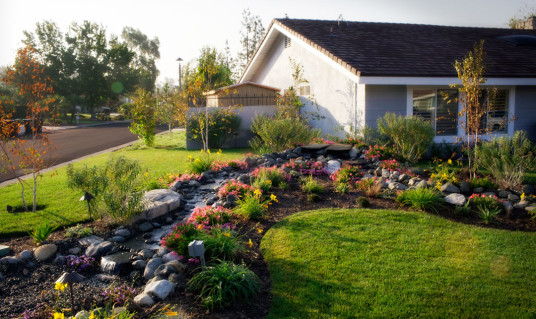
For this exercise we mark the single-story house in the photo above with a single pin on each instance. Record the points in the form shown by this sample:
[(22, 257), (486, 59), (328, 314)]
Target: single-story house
[(242, 94), (358, 71)]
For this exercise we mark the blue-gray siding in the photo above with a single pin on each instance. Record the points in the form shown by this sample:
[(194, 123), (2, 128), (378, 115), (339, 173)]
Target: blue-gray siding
[(525, 110), (380, 99)]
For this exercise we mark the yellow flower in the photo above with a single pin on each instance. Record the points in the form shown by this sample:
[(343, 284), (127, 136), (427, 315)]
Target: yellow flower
[(250, 243), (59, 286), (92, 316), (226, 234), (522, 196), (449, 161), (171, 313), (259, 230), (274, 198), (59, 315), (257, 192)]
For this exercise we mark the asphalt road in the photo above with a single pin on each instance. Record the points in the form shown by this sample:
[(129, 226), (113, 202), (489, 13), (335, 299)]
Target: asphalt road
[(74, 143)]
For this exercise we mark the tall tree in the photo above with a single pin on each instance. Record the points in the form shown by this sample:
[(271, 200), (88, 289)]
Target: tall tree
[(523, 14), (146, 53), (250, 36)]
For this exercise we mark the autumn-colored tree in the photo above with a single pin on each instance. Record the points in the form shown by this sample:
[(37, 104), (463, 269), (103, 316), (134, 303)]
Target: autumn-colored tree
[(471, 74), (171, 107), (143, 116), (28, 77)]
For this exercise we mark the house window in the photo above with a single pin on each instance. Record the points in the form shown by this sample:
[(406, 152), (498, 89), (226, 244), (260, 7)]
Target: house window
[(439, 107), (305, 90), (496, 118)]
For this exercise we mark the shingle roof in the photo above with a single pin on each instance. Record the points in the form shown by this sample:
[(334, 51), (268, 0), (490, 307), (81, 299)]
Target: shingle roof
[(392, 49)]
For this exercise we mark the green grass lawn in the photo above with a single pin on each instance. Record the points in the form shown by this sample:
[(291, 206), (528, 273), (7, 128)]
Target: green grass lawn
[(363, 263), (62, 205)]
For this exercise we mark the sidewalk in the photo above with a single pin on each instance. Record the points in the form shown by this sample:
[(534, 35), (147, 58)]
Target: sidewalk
[(68, 127)]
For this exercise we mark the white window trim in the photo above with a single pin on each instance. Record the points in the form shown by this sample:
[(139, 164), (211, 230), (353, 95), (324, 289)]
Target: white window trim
[(461, 131)]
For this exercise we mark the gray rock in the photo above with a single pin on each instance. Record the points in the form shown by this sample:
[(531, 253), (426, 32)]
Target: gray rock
[(99, 249), (118, 239), (147, 253), (195, 184), (513, 197), (354, 152), (144, 300), (530, 209), (465, 188), (508, 207), (244, 178), (160, 289), (504, 193), (385, 173), (112, 264), (26, 255), (397, 186), (403, 177), (169, 220), (165, 270), (151, 267), (488, 194), (333, 166), (413, 181), (169, 257), (145, 227), (422, 184), (59, 260), (162, 251), (90, 240), (177, 279), (232, 199), (83, 314), (74, 251), (394, 176), (156, 225), (211, 200), (378, 171), (455, 199), (11, 261), (478, 190), (522, 204), (122, 232), (139, 264), (179, 267), (44, 252), (449, 188), (4, 250), (105, 278), (528, 189)]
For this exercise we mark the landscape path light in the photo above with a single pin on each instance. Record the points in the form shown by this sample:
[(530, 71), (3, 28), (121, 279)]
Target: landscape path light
[(197, 249), (88, 198), (70, 278)]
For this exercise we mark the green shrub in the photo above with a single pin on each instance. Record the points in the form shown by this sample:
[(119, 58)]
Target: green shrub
[(483, 182), (463, 210), (202, 163), (313, 198), (507, 158), (310, 185), (78, 231), (252, 206), (41, 232), (424, 199), (277, 133), (273, 174), (371, 187), (362, 202), (221, 124), (221, 244), (445, 172), (488, 202), (225, 284), (87, 180), (487, 214), (342, 188), (411, 147)]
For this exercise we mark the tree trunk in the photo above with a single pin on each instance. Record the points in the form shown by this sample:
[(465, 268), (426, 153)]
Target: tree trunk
[(34, 192), (22, 194)]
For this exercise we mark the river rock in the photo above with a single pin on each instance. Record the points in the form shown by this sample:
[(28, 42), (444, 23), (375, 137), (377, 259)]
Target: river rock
[(4, 250), (478, 190), (145, 227), (118, 239), (528, 189), (160, 289), (90, 240), (26, 255), (354, 152), (122, 232), (112, 264), (504, 193), (139, 264), (397, 186), (422, 184), (44, 252), (99, 249), (83, 314), (455, 199), (151, 267), (11, 261), (169, 257), (522, 204), (513, 197), (147, 253), (180, 267), (449, 188), (144, 300), (74, 250), (162, 251), (165, 270), (465, 188)]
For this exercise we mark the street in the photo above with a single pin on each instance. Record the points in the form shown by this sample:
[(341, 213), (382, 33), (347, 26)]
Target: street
[(74, 143)]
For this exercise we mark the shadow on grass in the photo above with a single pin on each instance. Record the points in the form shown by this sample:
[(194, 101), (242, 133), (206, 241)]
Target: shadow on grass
[(20, 209)]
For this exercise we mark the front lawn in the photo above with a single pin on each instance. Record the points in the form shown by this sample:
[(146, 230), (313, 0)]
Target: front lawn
[(359, 263), (62, 205)]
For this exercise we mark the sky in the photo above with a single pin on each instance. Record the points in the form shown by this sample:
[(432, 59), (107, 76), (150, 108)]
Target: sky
[(184, 27)]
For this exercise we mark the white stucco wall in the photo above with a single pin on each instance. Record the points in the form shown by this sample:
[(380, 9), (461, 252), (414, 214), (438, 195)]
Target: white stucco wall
[(331, 89)]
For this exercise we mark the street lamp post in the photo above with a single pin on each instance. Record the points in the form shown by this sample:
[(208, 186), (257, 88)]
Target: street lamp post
[(180, 73)]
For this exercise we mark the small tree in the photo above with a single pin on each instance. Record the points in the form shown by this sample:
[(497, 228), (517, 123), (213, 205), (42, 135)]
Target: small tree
[(289, 103), (143, 116), (471, 73), (29, 154), (171, 107)]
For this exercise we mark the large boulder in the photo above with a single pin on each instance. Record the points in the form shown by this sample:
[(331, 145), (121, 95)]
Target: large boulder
[(112, 264), (160, 289), (449, 188), (333, 166), (44, 252)]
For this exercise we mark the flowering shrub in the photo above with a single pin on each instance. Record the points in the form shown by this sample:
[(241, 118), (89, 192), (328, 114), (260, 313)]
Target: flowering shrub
[(379, 152), (205, 217), (356, 142), (202, 163), (347, 174), (490, 202), (321, 140), (79, 263), (119, 295), (236, 164), (252, 206), (444, 173), (390, 164), (235, 188), (180, 237), (307, 167), (273, 174), (169, 179)]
